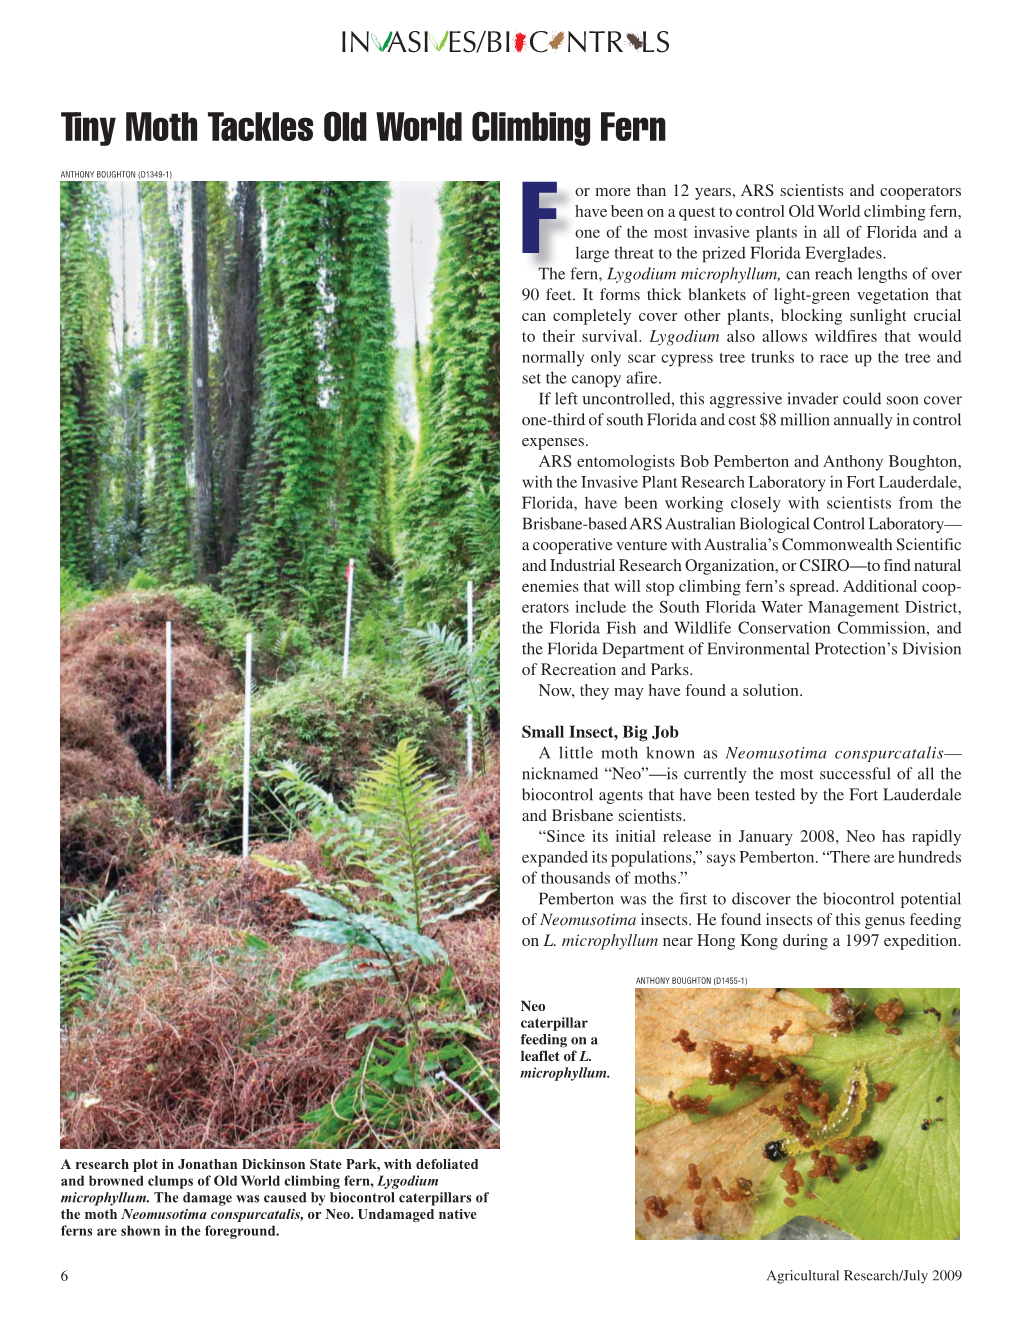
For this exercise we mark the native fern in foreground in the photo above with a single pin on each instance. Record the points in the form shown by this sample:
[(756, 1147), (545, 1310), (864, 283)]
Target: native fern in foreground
[(471, 675), (382, 947), (403, 831), (84, 940)]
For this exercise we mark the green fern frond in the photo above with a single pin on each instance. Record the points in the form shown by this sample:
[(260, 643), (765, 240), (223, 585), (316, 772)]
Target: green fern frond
[(483, 530), (84, 939), (427, 835), (304, 796), (405, 834), (471, 675), (443, 650), (370, 945)]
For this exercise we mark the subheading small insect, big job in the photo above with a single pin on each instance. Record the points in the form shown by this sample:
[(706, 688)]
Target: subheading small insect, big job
[(844, 1118)]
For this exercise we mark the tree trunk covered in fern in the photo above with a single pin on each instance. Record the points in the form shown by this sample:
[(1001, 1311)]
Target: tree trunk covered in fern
[(360, 349), (167, 399), (205, 538), (459, 447), (284, 548), (312, 498), (84, 365), (235, 295)]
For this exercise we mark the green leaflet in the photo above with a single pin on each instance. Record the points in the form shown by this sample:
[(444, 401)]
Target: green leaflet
[(647, 1115), (911, 1189)]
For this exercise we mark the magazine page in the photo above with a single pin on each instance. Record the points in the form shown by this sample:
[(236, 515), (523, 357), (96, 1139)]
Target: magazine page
[(693, 330)]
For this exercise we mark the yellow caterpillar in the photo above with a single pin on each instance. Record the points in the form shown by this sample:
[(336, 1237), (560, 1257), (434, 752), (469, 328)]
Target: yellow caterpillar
[(841, 1122)]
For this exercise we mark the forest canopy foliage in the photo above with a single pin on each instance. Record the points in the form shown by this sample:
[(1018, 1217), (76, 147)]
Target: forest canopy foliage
[(250, 431)]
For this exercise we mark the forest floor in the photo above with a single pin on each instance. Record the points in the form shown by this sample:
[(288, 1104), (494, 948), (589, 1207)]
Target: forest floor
[(197, 1037)]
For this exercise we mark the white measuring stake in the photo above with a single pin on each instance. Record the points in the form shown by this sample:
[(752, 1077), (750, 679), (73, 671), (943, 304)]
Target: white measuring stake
[(347, 625), (169, 706), (470, 650), (246, 819)]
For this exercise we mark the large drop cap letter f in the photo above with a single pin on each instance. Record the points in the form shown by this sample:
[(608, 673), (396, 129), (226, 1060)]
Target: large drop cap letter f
[(532, 213)]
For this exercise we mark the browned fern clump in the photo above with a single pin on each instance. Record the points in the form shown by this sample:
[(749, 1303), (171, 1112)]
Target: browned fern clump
[(102, 842), (113, 733), (105, 797), (115, 652), (199, 1041), (203, 1045), (478, 800), (222, 890), (95, 759), (141, 615)]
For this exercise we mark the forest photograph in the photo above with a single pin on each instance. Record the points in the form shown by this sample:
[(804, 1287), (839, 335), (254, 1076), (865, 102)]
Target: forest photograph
[(279, 664)]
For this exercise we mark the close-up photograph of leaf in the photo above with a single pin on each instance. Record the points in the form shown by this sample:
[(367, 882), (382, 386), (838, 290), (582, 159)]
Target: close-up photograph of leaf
[(782, 1113)]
